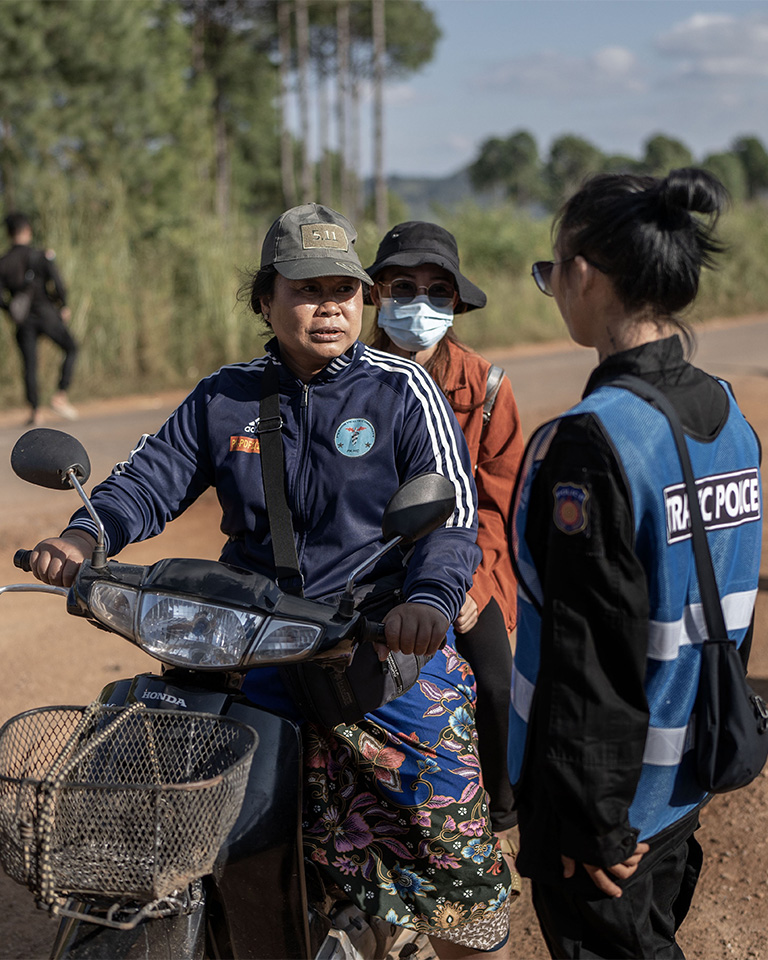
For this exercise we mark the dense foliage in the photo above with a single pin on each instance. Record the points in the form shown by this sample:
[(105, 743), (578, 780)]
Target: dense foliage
[(146, 141)]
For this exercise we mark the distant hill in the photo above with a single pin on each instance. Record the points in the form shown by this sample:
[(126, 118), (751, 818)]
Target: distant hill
[(424, 195)]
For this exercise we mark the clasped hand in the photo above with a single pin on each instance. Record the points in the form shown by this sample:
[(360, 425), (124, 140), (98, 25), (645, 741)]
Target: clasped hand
[(599, 876)]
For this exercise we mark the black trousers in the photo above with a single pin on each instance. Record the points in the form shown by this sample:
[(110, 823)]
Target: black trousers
[(49, 324), (640, 925), (486, 648)]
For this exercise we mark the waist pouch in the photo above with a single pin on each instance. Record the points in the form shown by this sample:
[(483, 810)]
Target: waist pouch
[(329, 694)]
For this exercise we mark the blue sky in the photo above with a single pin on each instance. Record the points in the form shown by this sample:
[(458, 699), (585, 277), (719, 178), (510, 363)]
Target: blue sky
[(612, 71)]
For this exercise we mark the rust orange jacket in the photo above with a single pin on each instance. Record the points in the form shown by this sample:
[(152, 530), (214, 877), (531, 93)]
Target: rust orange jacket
[(496, 454)]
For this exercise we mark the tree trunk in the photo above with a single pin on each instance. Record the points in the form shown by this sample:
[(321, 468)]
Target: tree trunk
[(286, 142), (323, 113), (302, 50), (342, 103), (7, 190), (222, 162), (379, 47), (355, 182)]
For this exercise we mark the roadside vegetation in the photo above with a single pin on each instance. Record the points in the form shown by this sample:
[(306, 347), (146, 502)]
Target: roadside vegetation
[(148, 143)]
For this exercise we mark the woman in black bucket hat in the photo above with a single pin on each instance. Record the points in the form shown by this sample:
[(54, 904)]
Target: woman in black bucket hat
[(418, 290)]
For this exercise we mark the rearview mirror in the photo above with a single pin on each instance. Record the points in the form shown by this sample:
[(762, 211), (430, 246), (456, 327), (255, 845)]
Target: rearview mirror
[(44, 457), (418, 507)]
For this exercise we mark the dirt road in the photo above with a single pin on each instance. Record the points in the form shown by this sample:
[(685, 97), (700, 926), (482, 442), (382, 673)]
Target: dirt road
[(49, 658)]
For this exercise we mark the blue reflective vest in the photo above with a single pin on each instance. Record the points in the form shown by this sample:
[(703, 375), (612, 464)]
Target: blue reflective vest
[(728, 482)]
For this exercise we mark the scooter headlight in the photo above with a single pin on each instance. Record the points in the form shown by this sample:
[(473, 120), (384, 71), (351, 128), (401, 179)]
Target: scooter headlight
[(186, 632), (190, 633), (115, 607), (282, 640), (177, 630)]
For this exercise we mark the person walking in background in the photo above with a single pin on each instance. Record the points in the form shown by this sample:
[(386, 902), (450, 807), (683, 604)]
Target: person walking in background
[(418, 290), (33, 294), (610, 627)]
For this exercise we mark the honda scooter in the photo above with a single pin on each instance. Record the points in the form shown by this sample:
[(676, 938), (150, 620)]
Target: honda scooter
[(164, 820)]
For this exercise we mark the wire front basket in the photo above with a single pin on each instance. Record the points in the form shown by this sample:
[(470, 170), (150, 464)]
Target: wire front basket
[(127, 803)]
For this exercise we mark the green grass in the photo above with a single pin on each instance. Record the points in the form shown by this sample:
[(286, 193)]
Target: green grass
[(159, 312)]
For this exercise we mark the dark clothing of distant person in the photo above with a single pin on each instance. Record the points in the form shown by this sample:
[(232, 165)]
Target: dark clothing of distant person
[(24, 267)]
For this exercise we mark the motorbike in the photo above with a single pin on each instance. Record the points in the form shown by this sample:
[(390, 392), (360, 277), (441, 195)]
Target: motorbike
[(164, 820)]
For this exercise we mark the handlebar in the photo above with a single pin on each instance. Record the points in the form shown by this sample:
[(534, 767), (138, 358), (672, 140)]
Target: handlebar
[(371, 632), (21, 559)]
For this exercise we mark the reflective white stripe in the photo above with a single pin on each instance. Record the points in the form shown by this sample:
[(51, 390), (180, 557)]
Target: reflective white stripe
[(441, 433), (521, 694), (665, 746), (530, 580), (665, 639)]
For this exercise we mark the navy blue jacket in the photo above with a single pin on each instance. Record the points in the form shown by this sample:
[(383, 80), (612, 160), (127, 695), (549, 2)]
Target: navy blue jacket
[(365, 424)]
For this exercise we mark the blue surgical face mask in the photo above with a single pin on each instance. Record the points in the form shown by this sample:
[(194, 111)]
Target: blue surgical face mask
[(414, 326)]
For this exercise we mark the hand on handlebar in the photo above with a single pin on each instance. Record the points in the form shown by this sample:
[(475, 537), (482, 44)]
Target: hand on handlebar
[(413, 628), (57, 560)]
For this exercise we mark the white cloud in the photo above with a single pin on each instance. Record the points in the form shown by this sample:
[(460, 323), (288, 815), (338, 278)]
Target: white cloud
[(398, 93), (718, 46), (549, 73)]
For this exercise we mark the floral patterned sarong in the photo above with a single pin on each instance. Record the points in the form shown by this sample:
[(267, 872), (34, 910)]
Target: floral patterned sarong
[(396, 815)]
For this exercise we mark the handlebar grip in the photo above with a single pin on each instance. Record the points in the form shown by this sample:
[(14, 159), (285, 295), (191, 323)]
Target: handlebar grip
[(372, 632), (21, 559)]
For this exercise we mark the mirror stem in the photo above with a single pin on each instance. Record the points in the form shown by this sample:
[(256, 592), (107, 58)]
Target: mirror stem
[(99, 558), (347, 602)]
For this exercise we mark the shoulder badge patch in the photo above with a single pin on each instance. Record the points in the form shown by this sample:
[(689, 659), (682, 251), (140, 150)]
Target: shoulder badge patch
[(354, 438), (570, 511)]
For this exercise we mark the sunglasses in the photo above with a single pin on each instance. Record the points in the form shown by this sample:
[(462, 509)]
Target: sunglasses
[(541, 271), (440, 293)]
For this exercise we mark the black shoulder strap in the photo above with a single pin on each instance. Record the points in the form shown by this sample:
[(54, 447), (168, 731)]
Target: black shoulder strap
[(492, 385), (710, 597), (270, 435)]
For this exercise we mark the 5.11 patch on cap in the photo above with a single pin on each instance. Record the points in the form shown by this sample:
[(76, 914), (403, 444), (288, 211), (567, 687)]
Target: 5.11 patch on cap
[(570, 511), (328, 235)]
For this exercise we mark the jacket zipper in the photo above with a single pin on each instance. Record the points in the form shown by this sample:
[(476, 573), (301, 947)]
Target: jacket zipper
[(301, 477)]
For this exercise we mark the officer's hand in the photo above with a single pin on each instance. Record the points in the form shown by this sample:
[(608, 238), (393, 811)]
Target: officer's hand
[(467, 617), (413, 628), (599, 876), (57, 560), (66, 314)]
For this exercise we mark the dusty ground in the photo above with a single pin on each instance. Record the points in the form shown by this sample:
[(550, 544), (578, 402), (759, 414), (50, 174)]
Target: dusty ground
[(49, 658)]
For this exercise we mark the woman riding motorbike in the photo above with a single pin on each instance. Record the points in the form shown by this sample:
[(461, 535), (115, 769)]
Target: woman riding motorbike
[(395, 815)]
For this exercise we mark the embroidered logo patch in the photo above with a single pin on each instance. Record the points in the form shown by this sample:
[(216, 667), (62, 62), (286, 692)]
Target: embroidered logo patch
[(324, 235), (354, 438), (570, 513), (244, 444)]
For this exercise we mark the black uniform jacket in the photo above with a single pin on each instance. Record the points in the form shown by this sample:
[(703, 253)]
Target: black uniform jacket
[(594, 631)]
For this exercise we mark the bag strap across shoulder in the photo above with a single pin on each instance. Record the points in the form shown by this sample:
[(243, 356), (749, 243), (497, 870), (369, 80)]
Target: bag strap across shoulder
[(493, 382), (710, 597), (270, 435)]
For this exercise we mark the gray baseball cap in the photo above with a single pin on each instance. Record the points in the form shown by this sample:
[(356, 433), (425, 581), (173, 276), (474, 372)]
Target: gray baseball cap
[(312, 241)]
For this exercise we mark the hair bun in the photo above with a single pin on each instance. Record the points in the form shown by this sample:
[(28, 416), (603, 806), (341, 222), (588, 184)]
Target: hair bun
[(692, 189)]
